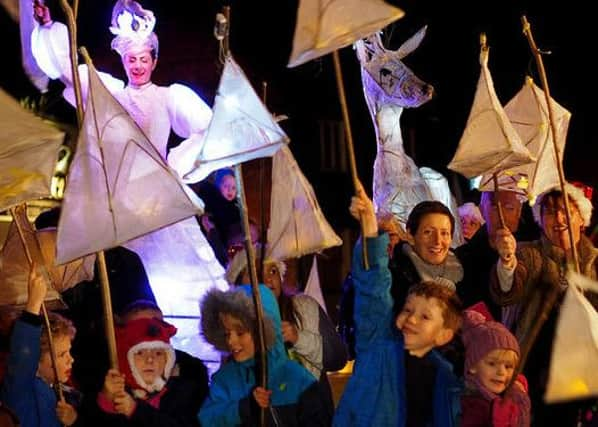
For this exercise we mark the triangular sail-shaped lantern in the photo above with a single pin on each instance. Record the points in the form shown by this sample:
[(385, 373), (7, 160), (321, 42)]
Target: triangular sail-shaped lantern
[(14, 271), (313, 288), (241, 128), (28, 153), (528, 112), (118, 186), (489, 143), (297, 225), (574, 361), (324, 26)]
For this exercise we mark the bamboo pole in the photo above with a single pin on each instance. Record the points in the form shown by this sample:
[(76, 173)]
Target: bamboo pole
[(501, 218), (528, 341), (75, 9), (350, 146), (72, 26), (100, 259), (262, 365), (262, 184), (540, 64), (48, 278), (103, 270)]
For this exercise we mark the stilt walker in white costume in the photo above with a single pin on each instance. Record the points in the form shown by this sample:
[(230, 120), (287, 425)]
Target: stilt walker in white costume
[(180, 264)]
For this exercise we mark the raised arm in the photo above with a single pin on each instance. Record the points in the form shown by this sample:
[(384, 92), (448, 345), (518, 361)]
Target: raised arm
[(373, 301), (50, 48), (25, 353)]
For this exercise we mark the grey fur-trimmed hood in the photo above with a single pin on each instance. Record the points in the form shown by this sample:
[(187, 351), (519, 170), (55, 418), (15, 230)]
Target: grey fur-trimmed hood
[(238, 304)]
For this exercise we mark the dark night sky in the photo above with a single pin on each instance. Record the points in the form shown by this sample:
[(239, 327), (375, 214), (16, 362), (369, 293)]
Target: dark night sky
[(261, 40)]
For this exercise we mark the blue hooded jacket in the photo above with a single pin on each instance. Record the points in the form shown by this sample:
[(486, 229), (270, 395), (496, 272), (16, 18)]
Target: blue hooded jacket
[(295, 394), (375, 395), (30, 397)]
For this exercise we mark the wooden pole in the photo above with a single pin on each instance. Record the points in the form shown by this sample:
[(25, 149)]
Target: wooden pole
[(262, 192), (101, 260), (103, 270), (48, 278), (542, 71), (262, 365), (528, 341), (70, 20), (349, 138)]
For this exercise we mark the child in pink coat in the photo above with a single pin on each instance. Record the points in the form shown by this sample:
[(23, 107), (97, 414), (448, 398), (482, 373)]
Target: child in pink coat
[(491, 357)]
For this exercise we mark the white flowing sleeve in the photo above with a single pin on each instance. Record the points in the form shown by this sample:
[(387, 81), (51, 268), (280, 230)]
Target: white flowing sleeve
[(190, 117), (50, 48)]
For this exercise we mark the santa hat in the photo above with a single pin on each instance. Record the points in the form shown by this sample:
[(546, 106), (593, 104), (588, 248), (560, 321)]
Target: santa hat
[(133, 27), (481, 336), (141, 334), (578, 193)]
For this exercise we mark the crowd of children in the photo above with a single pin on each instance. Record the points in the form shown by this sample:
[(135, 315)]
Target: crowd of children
[(428, 361)]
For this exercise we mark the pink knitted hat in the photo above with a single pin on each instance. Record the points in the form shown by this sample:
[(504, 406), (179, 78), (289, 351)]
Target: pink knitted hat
[(481, 336)]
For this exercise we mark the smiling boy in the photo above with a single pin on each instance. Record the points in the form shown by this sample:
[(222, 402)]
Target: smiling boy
[(398, 377)]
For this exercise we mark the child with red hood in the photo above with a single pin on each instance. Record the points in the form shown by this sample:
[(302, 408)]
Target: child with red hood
[(147, 391)]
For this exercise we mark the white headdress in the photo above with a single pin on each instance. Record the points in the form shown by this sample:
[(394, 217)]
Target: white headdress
[(133, 27), (584, 205)]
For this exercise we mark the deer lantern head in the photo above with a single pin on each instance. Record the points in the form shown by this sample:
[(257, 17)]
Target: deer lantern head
[(386, 78)]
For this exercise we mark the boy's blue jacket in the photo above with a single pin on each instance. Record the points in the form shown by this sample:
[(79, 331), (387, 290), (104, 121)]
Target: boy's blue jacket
[(375, 393), (30, 397), (294, 389)]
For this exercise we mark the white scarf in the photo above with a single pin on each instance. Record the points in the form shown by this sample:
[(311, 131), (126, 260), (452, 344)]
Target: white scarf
[(447, 273)]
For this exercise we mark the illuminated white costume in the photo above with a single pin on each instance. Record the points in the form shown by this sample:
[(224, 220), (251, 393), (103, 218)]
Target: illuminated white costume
[(179, 262)]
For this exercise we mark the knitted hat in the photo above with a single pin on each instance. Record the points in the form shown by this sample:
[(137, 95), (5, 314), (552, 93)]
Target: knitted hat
[(133, 27), (578, 195), (481, 336), (471, 210), (143, 334)]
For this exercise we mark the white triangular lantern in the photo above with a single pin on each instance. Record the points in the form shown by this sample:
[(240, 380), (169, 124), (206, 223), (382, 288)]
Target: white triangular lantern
[(528, 112), (118, 187), (324, 26), (28, 153), (297, 225), (241, 128), (489, 143), (574, 362), (313, 288)]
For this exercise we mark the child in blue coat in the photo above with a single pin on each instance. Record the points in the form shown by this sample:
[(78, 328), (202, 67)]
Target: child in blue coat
[(399, 379), (292, 396), (28, 387)]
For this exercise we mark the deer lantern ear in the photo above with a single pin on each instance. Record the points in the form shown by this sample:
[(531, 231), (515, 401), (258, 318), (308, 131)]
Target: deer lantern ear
[(412, 43)]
